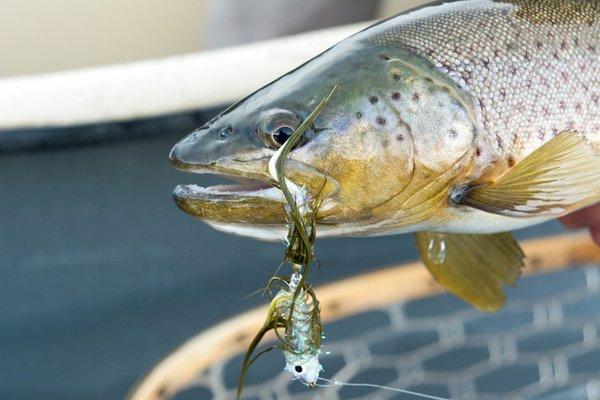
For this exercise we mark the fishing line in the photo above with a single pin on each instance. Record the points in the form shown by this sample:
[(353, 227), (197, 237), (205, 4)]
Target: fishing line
[(372, 385)]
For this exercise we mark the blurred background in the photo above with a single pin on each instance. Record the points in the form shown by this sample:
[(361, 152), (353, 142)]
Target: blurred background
[(102, 275), (37, 36)]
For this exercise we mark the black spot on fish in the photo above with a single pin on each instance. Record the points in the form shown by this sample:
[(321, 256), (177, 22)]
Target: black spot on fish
[(358, 115), (400, 138), (396, 76), (478, 152), (564, 45), (539, 45), (396, 96), (416, 96), (381, 121), (500, 142), (373, 99), (511, 161), (384, 57), (453, 133), (428, 79)]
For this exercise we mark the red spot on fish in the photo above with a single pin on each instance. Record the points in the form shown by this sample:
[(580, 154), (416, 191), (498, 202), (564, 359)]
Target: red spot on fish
[(541, 135)]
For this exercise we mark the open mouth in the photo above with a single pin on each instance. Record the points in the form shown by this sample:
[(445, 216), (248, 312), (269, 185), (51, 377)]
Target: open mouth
[(253, 200), (250, 199), (243, 188)]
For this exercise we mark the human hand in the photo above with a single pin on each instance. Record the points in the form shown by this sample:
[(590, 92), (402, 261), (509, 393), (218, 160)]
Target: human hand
[(586, 218)]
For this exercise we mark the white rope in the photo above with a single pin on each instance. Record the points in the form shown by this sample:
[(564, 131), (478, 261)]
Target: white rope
[(155, 87)]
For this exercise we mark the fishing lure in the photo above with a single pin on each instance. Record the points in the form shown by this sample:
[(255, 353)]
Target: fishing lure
[(294, 314)]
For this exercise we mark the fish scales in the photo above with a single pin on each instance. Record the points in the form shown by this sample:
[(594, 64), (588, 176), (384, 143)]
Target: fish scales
[(531, 66)]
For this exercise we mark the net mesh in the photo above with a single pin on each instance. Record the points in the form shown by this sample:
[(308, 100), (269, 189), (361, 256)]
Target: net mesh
[(542, 345)]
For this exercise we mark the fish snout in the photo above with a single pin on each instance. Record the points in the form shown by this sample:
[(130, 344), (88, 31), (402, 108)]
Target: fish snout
[(198, 149)]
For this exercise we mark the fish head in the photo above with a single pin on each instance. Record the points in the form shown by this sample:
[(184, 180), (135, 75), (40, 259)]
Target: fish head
[(387, 124)]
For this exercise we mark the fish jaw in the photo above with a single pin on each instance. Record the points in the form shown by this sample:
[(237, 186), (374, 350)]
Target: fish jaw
[(254, 206)]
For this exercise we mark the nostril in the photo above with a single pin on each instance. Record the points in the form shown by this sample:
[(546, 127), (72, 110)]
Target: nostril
[(225, 132)]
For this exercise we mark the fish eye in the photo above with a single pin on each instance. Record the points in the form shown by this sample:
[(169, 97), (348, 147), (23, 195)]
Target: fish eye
[(276, 126), (280, 135), (298, 368)]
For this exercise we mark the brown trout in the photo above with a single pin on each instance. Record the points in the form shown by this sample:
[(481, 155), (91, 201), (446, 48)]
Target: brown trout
[(457, 121)]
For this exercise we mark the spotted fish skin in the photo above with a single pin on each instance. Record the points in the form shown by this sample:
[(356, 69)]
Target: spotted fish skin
[(531, 67), (436, 98)]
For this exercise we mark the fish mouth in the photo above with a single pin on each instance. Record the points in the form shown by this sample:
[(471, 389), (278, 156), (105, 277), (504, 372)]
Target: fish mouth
[(253, 205)]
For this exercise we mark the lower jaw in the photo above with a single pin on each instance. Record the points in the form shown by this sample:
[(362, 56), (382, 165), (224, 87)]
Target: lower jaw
[(263, 206)]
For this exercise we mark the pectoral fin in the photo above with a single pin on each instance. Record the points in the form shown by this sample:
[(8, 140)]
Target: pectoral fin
[(473, 267), (559, 177)]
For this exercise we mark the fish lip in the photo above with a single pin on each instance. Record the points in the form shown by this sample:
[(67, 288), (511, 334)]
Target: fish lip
[(262, 181), (256, 201), (228, 169)]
